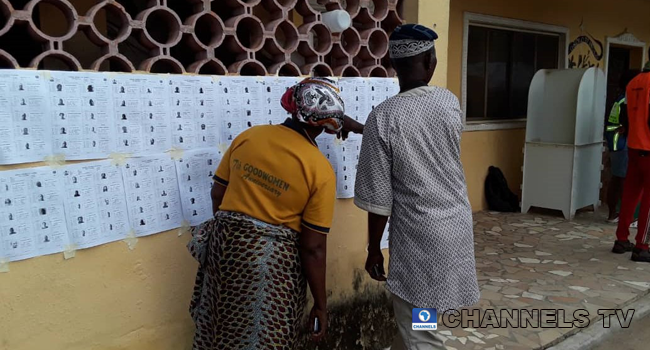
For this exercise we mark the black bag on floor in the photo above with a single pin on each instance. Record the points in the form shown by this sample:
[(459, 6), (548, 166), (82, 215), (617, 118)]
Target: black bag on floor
[(498, 194)]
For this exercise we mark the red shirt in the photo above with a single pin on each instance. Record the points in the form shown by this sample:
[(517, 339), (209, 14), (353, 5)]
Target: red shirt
[(638, 109)]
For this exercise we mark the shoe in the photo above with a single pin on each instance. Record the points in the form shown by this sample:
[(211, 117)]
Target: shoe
[(613, 221), (622, 247), (639, 255), (635, 224)]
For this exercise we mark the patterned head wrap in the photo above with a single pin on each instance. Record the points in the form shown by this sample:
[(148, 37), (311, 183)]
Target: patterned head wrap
[(411, 40), (316, 101)]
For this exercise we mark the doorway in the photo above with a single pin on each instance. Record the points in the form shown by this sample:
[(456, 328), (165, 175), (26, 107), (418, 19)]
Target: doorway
[(617, 64), (623, 52)]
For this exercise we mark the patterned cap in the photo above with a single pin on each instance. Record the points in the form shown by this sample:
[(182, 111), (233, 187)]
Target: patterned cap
[(411, 40), (316, 101)]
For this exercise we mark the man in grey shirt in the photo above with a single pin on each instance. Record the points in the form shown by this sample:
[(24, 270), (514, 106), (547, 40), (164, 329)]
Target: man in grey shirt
[(410, 170)]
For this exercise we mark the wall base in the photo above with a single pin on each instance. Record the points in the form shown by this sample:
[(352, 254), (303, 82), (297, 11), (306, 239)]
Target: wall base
[(364, 320)]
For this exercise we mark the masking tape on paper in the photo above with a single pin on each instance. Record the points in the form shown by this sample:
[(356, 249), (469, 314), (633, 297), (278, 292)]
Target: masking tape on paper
[(176, 153), (131, 240), (55, 161), (223, 147), (70, 252), (46, 74), (119, 159), (4, 265), (185, 228)]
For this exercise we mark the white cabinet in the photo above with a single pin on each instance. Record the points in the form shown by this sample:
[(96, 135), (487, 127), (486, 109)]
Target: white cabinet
[(564, 140)]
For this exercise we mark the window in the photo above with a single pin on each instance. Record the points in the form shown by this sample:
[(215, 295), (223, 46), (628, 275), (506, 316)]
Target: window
[(500, 65)]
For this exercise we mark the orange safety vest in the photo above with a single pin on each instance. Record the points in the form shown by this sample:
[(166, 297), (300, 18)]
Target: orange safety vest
[(638, 108)]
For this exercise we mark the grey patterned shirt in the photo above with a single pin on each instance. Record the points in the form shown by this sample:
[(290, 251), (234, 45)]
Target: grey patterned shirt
[(410, 170)]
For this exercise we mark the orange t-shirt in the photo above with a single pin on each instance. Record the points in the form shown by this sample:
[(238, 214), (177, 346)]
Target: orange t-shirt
[(276, 175), (638, 108)]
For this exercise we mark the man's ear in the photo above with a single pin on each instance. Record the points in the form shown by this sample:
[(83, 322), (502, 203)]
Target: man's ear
[(427, 61), (434, 63)]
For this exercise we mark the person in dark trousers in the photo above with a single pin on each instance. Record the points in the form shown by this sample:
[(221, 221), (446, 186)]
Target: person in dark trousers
[(636, 120), (617, 146)]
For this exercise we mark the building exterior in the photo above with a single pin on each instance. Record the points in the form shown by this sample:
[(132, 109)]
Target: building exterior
[(112, 298), (589, 34)]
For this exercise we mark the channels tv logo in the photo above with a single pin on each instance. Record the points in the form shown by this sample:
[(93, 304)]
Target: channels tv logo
[(425, 320)]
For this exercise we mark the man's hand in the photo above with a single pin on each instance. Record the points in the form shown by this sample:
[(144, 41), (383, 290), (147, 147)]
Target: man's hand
[(349, 125), (375, 266)]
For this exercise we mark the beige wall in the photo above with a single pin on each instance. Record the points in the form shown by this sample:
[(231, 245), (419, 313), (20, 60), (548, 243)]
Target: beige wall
[(110, 297), (106, 298), (502, 149), (602, 18), (435, 14)]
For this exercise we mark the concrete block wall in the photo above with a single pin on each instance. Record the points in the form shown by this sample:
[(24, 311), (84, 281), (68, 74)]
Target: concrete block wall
[(245, 37)]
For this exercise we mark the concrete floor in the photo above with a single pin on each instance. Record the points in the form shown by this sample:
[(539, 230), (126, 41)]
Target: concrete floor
[(536, 262), (637, 337)]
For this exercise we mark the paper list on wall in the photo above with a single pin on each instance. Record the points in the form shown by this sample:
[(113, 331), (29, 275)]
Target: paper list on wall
[(141, 113), (348, 158), (82, 115), (32, 218), (195, 171), (254, 101), (231, 92), (393, 87), (329, 147), (195, 112), (152, 194), (26, 127), (95, 204), (376, 93), (343, 156), (346, 91), (95, 114), (355, 95), (381, 89), (275, 88)]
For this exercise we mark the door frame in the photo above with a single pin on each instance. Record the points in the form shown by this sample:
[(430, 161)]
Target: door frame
[(625, 39)]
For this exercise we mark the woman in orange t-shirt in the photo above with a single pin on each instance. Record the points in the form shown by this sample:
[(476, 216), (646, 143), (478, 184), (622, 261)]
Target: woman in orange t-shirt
[(273, 199)]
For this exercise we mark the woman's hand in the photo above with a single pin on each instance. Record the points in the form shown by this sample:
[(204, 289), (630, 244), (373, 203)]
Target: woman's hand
[(350, 125), (313, 253), (321, 315)]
